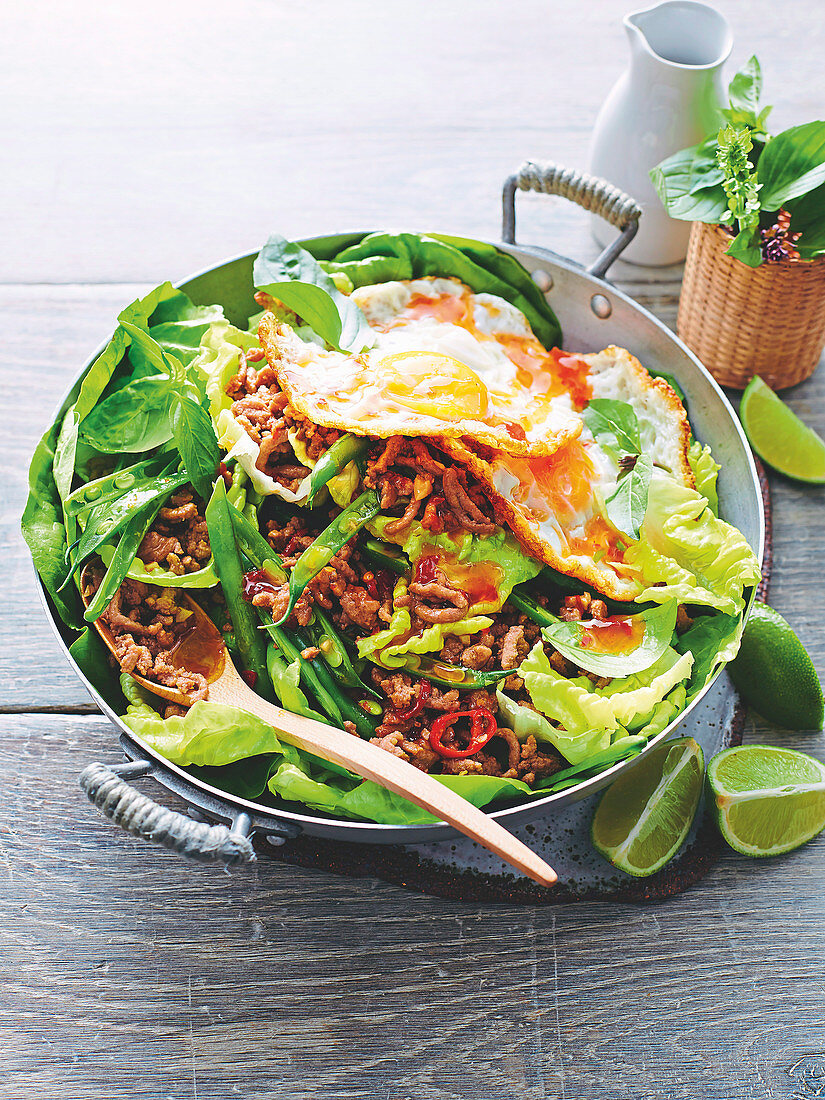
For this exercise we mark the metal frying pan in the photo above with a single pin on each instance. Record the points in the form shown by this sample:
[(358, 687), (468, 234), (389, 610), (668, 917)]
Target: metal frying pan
[(593, 314)]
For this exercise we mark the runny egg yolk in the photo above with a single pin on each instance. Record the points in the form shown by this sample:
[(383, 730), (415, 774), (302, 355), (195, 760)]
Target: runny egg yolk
[(433, 385)]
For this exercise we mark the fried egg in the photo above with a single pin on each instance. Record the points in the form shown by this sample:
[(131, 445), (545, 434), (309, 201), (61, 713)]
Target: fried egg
[(556, 504), (445, 362)]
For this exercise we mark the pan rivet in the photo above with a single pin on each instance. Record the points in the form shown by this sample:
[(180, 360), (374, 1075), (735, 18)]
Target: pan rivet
[(543, 280), (601, 306)]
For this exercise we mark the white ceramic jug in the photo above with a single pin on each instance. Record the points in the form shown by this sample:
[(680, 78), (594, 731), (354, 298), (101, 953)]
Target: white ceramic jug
[(668, 99)]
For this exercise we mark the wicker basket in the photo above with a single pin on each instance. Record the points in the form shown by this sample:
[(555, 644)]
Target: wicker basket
[(742, 321)]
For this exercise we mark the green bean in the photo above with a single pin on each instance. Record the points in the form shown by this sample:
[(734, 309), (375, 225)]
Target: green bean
[(347, 448), (309, 677), (263, 557), (251, 644), (334, 651), (108, 519), (531, 609), (445, 674), (116, 484), (574, 587), (257, 549), (386, 556), (350, 711), (326, 545), (130, 539)]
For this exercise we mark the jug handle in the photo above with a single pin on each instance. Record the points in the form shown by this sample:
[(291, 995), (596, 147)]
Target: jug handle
[(594, 194)]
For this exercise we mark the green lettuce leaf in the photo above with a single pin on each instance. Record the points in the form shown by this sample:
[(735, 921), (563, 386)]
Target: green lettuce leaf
[(582, 708), (395, 642), (687, 554), (217, 362), (500, 549), (45, 532), (211, 735), (382, 257), (658, 625), (574, 747), (705, 470)]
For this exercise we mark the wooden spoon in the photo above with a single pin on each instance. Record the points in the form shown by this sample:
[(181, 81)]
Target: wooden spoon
[(202, 649)]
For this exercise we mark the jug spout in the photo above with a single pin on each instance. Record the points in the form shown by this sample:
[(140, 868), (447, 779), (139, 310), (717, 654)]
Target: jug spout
[(684, 34)]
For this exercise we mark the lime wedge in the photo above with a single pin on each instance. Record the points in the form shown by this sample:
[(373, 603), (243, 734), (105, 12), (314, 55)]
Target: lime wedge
[(779, 436), (774, 674), (645, 815), (767, 800)]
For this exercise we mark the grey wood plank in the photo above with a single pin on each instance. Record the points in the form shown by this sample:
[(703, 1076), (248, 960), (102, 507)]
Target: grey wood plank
[(46, 334), (147, 147), (126, 972)]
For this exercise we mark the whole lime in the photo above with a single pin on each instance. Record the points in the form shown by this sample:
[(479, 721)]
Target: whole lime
[(774, 674)]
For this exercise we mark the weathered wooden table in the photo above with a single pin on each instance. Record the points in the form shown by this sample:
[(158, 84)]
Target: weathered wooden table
[(144, 143)]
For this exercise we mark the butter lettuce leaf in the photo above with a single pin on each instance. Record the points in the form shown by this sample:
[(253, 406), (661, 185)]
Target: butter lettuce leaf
[(686, 553), (217, 362), (581, 708), (705, 470), (500, 549), (394, 643)]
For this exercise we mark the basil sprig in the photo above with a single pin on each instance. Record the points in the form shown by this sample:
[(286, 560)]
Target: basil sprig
[(290, 274), (616, 426)]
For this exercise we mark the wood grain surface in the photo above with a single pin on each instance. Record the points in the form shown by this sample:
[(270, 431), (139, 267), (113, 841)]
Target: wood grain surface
[(144, 143)]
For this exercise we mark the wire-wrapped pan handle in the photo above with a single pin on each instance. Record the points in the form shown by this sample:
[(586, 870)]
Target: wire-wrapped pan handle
[(106, 787), (594, 194)]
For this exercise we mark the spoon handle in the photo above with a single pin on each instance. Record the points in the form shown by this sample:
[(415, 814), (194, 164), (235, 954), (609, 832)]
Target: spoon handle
[(388, 771)]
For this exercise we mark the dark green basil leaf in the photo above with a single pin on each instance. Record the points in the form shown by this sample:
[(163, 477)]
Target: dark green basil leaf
[(689, 184), (704, 640), (791, 165), (133, 419), (616, 421), (576, 642), (195, 439), (746, 247), (746, 88), (627, 506), (290, 274), (808, 218)]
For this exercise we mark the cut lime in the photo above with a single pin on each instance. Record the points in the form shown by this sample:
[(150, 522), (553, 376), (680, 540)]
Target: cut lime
[(779, 436), (774, 674), (645, 815), (767, 800)]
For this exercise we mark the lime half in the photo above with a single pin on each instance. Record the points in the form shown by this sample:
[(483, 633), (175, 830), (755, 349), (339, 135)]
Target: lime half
[(779, 436), (644, 816), (767, 800), (774, 674)]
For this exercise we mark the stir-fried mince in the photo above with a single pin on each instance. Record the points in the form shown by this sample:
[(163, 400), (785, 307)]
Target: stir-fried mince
[(263, 411), (146, 623), (178, 539), (409, 470)]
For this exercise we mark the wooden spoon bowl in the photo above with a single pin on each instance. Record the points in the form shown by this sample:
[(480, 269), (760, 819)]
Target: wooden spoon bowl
[(202, 649)]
